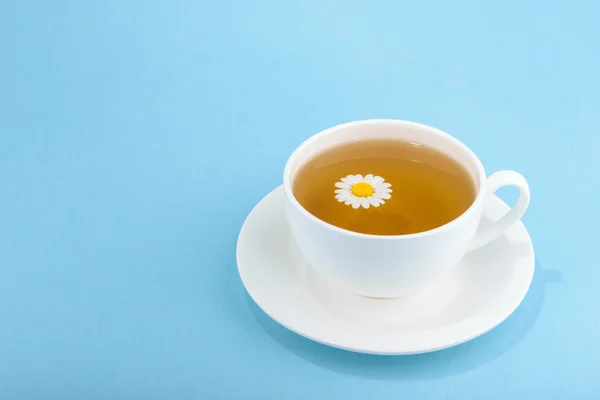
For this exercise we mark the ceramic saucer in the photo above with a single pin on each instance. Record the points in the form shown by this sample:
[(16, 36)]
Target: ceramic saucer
[(481, 292)]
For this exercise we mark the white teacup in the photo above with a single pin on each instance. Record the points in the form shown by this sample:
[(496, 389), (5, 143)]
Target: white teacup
[(393, 266)]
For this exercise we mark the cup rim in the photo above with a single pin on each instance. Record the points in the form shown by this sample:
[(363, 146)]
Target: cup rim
[(482, 177)]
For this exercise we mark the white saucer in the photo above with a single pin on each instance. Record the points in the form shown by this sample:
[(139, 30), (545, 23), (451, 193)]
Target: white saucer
[(481, 292)]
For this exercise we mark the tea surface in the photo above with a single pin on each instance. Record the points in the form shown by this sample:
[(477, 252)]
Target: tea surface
[(384, 187)]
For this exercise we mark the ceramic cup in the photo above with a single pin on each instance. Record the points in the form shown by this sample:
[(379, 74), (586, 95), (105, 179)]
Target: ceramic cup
[(401, 265)]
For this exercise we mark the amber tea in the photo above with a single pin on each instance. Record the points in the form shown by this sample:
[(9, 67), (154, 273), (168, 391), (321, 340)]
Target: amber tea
[(384, 187)]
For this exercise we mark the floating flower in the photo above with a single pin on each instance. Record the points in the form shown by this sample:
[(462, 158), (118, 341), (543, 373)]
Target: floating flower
[(366, 191)]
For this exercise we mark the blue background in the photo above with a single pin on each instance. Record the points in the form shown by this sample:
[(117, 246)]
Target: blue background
[(135, 137)]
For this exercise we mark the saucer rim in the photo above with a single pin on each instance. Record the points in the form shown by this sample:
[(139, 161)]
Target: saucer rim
[(493, 323)]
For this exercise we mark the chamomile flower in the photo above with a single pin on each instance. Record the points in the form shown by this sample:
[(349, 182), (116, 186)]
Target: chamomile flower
[(366, 191)]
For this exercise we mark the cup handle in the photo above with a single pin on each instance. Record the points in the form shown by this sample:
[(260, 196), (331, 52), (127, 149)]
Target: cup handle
[(495, 182)]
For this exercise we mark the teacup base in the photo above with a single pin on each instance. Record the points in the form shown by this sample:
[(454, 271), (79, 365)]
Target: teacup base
[(478, 294)]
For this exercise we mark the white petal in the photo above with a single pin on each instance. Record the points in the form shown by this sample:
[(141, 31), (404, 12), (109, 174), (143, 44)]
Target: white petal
[(350, 200), (356, 203), (359, 177), (346, 180), (343, 185), (341, 197), (369, 178), (382, 187), (364, 202), (341, 191), (381, 195), (353, 179), (375, 201), (377, 181)]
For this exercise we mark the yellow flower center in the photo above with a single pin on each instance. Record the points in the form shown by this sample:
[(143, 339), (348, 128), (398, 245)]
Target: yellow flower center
[(362, 189)]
